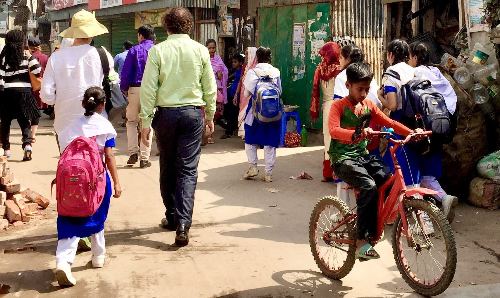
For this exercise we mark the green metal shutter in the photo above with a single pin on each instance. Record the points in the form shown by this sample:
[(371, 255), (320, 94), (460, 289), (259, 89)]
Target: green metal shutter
[(123, 29), (161, 34), (105, 39)]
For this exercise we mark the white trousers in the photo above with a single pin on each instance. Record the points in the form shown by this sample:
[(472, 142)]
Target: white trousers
[(66, 248), (327, 105), (269, 156), (431, 182), (135, 146)]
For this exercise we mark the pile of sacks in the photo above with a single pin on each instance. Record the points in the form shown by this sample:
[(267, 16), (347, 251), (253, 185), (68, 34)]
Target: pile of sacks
[(17, 207), (485, 190)]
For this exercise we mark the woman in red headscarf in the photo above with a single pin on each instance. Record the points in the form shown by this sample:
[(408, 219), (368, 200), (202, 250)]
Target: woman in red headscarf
[(323, 83)]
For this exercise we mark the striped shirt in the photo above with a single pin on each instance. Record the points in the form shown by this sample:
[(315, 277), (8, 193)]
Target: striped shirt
[(19, 78)]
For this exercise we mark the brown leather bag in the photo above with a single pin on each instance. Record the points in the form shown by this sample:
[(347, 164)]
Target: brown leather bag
[(36, 83)]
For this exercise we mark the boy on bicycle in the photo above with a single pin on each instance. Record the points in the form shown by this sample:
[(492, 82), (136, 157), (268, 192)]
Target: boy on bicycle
[(349, 122)]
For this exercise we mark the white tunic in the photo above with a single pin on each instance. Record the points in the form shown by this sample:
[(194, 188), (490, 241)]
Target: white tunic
[(69, 73)]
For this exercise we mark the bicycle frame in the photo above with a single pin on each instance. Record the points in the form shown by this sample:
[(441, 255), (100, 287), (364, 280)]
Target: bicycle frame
[(390, 206)]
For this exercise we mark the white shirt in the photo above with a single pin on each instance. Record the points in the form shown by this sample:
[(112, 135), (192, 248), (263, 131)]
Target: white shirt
[(340, 89), (440, 83), (69, 73)]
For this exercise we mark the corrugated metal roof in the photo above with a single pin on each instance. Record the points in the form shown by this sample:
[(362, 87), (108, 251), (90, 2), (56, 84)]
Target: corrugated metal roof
[(361, 21), (272, 3)]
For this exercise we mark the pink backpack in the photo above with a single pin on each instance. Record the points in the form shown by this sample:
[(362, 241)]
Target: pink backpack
[(81, 179)]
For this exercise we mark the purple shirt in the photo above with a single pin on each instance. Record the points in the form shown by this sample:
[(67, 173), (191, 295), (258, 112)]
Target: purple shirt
[(134, 65)]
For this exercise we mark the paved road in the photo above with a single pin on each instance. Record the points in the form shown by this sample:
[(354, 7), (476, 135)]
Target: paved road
[(249, 239)]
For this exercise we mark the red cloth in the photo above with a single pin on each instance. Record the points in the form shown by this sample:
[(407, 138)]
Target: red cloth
[(326, 70), (42, 59)]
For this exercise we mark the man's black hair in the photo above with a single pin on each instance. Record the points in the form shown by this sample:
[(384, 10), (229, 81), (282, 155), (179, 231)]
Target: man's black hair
[(359, 72), (128, 45), (147, 32), (239, 57)]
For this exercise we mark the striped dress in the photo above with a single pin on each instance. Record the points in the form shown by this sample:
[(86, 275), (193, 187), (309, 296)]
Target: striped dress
[(17, 96)]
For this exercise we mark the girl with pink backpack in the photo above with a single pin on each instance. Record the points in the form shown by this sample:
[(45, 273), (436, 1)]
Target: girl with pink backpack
[(83, 184)]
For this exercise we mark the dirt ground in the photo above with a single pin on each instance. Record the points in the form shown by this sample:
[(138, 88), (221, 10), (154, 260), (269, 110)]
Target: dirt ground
[(249, 239)]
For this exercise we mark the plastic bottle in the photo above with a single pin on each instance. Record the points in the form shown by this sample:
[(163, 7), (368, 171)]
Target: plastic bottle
[(480, 55), (451, 63), (303, 136), (481, 98), (463, 77), (486, 74)]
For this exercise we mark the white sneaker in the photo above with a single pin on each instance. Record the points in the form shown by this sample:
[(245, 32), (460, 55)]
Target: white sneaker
[(7, 153), (98, 262), (449, 204), (267, 178), (251, 173), (64, 276)]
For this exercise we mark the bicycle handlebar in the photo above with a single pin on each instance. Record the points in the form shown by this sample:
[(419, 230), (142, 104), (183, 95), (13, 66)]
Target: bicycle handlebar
[(400, 142)]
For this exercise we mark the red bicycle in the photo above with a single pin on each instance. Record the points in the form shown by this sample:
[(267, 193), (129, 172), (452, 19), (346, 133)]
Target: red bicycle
[(422, 240)]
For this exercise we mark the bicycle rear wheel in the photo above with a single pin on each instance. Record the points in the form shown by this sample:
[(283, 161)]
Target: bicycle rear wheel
[(428, 262), (335, 260)]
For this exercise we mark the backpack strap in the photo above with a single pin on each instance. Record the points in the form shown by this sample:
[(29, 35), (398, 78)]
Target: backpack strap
[(105, 69), (392, 73)]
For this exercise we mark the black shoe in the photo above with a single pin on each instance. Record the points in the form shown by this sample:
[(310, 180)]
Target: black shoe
[(168, 225), (145, 164), (225, 137), (182, 235), (132, 160)]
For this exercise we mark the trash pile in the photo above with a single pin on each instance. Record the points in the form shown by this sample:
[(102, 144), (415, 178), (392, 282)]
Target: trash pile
[(485, 190), (17, 207), (474, 77)]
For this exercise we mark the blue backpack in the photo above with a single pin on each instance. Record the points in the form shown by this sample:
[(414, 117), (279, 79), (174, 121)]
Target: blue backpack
[(267, 105)]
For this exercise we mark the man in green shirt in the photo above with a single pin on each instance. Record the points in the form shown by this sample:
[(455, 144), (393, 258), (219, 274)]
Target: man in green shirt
[(178, 81)]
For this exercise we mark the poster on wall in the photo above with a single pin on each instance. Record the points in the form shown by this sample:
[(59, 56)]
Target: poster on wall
[(477, 19), (153, 18), (318, 33), (226, 25), (110, 3), (299, 51)]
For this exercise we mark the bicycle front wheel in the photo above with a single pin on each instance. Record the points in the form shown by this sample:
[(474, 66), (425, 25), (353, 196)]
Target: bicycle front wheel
[(427, 258), (334, 259)]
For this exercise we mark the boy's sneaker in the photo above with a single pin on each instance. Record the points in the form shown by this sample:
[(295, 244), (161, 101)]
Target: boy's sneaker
[(251, 173), (449, 203), (28, 150), (64, 276), (98, 262)]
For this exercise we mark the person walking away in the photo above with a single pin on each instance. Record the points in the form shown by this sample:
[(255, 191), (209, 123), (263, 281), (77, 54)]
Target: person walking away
[(131, 79), (17, 100), (35, 49), (348, 154), (120, 58), (178, 121), (231, 109), (79, 64), (221, 75), (71, 229), (431, 164), (390, 95), (251, 61), (323, 84), (257, 133)]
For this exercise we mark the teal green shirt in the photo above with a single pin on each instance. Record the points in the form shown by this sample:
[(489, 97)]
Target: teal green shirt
[(178, 73)]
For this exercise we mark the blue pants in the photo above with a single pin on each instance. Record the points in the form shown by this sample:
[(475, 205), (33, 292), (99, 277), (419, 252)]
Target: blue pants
[(179, 132)]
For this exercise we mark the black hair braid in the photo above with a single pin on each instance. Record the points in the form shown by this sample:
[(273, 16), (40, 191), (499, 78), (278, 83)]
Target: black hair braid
[(13, 51), (400, 49)]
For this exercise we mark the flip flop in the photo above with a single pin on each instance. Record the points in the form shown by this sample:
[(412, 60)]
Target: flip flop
[(367, 252)]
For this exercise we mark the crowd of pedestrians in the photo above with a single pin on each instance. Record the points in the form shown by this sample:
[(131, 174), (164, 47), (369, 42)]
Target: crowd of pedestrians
[(182, 113)]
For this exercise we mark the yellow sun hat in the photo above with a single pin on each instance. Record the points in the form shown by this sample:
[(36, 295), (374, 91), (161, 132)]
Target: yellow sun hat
[(84, 25)]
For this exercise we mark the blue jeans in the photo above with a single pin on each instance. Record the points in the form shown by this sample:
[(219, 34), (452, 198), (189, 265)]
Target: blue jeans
[(179, 132)]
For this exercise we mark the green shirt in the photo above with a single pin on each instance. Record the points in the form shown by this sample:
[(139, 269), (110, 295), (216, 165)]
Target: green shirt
[(178, 73)]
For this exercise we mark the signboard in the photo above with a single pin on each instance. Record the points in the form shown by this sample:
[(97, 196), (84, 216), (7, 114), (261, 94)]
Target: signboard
[(150, 17), (3, 26), (32, 24), (100, 4), (60, 4), (476, 18)]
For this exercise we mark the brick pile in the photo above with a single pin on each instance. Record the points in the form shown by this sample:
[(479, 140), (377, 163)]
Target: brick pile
[(17, 207)]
